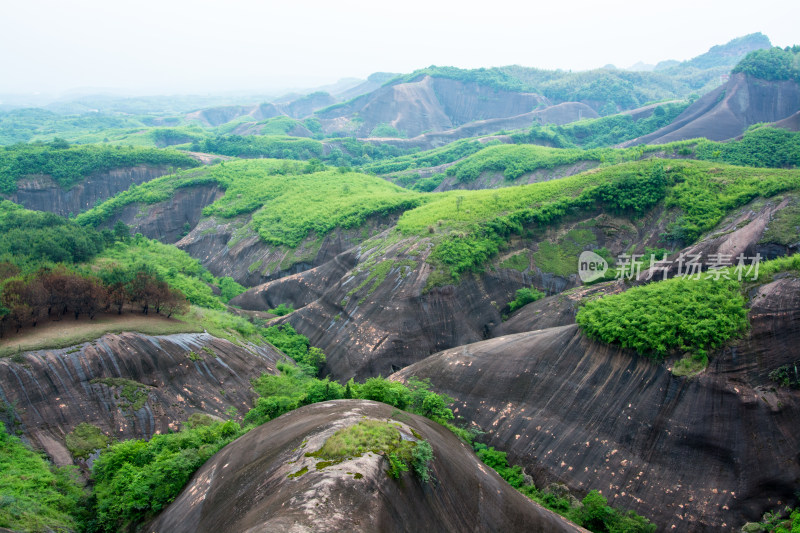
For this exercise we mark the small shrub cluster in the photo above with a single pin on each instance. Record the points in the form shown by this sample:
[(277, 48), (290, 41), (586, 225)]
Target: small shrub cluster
[(381, 438), (524, 297), (679, 313), (281, 310), (593, 512)]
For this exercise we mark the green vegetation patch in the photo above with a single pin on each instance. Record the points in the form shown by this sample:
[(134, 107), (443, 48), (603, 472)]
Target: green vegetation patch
[(180, 270), (381, 438), (524, 297), (514, 160), (683, 313), (136, 479), (784, 228), (774, 64), (473, 226), (32, 237), (520, 261), (365, 436), (561, 259), (787, 375), (281, 310), (34, 496), (133, 392), (85, 439), (691, 315), (292, 208), (68, 165), (299, 473)]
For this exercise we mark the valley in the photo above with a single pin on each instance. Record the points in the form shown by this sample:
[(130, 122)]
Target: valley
[(362, 308)]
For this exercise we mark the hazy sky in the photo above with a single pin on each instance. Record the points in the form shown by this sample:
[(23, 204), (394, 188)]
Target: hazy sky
[(196, 46)]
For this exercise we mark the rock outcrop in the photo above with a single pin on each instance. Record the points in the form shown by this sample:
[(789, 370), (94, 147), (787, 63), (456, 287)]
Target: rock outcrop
[(170, 220), (692, 454), (727, 111), (129, 385), (563, 113), (430, 104), (231, 248), (41, 193), (258, 483)]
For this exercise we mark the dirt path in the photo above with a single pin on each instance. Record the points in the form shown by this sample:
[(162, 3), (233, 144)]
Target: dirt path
[(68, 331)]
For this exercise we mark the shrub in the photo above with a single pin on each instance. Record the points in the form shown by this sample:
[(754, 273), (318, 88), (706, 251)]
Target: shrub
[(281, 310), (35, 496), (679, 313), (524, 297)]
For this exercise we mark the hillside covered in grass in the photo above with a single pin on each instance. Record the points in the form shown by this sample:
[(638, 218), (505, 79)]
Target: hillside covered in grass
[(470, 227), (69, 164), (288, 200), (690, 314)]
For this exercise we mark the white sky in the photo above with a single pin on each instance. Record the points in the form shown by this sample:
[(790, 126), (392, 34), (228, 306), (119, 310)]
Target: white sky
[(197, 46)]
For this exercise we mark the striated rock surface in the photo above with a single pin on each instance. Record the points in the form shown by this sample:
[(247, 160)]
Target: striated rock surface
[(41, 193), (430, 104), (370, 315), (171, 219), (49, 392), (246, 486), (727, 111), (693, 454), (232, 248)]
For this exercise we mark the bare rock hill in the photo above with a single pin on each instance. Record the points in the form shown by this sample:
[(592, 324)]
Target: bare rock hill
[(430, 104), (257, 483), (707, 453), (727, 111), (41, 193), (129, 385)]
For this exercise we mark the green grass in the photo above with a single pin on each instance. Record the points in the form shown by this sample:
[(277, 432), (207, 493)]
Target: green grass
[(471, 227), (180, 270), (381, 438), (85, 439), (561, 258), (286, 205), (514, 160), (293, 208), (519, 261), (34, 496), (67, 165), (784, 228), (365, 436), (134, 393)]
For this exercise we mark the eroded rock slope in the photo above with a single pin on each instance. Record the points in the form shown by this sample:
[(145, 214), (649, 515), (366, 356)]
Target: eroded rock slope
[(253, 484), (129, 385)]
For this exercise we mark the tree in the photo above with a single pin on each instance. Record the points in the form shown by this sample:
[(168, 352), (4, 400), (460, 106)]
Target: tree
[(175, 303), (122, 231)]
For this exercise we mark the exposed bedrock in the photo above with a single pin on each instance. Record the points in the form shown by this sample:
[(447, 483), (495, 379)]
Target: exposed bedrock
[(700, 454), (232, 248), (247, 485), (171, 219), (727, 111), (41, 193), (49, 392)]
